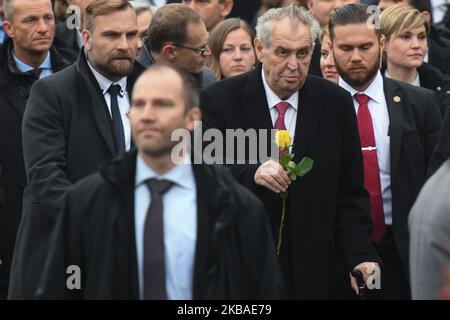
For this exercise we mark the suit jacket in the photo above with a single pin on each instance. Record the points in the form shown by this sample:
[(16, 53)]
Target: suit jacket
[(14, 92), (432, 78), (439, 51), (442, 152), (329, 207), (429, 224), (234, 259), (66, 41), (414, 125), (67, 133)]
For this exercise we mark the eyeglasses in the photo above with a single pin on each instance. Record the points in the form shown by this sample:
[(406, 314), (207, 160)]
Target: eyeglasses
[(200, 51)]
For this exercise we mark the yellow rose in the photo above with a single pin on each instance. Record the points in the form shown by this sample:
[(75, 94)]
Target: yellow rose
[(283, 139)]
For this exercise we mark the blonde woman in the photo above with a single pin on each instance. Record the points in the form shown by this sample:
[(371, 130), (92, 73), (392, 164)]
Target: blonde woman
[(327, 65), (406, 33)]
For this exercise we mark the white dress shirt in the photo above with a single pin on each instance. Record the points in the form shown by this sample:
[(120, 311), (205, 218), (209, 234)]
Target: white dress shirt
[(123, 100), (380, 121), (179, 224), (290, 117)]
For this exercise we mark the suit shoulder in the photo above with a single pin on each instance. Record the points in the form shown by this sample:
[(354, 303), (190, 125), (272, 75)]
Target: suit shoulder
[(232, 84), (408, 88), (325, 87), (62, 78)]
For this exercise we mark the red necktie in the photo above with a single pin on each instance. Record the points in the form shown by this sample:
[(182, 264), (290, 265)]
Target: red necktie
[(279, 123), (281, 109), (371, 170)]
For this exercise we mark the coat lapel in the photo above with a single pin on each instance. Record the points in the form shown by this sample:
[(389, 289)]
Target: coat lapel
[(309, 108), (122, 173), (203, 254), (394, 100), (98, 104), (255, 102)]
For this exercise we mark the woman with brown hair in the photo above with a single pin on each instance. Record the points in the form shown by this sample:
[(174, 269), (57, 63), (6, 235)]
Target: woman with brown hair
[(232, 51)]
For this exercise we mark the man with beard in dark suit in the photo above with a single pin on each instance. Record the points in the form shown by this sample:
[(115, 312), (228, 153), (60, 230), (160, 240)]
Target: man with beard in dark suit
[(399, 128), (328, 209), (74, 120)]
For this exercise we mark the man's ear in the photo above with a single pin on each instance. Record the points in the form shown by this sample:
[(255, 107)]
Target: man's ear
[(382, 42), (427, 17), (87, 38), (309, 4), (9, 28), (259, 46), (194, 115), (168, 52), (227, 6)]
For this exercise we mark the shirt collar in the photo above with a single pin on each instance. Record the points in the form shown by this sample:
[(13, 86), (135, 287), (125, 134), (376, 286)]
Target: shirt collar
[(24, 68), (273, 99), (182, 174), (375, 91), (105, 83)]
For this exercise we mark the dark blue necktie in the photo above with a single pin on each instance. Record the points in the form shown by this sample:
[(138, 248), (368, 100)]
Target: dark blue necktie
[(154, 264), (114, 90)]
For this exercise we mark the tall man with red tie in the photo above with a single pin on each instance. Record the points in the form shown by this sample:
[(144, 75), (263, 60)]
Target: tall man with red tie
[(327, 210), (398, 127)]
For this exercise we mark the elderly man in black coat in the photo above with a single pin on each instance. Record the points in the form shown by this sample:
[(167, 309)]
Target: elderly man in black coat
[(19, 56), (74, 121), (327, 209)]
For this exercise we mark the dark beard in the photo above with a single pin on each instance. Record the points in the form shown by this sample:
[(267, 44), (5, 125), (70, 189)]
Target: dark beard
[(360, 81), (110, 71)]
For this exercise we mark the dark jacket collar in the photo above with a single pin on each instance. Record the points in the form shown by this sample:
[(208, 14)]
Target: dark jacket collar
[(58, 62), (216, 210)]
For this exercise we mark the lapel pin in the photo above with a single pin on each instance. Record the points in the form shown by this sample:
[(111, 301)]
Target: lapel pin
[(397, 99)]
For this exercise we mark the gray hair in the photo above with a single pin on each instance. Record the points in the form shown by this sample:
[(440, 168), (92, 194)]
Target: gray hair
[(8, 10), (297, 14)]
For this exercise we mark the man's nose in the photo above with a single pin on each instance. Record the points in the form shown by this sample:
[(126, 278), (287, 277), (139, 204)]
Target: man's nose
[(43, 26), (292, 62), (356, 56), (122, 43)]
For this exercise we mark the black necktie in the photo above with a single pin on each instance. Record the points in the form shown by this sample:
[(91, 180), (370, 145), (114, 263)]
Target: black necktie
[(114, 90), (35, 72), (154, 266)]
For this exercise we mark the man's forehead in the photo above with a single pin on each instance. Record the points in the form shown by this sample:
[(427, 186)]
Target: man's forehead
[(111, 22), (160, 77), (30, 7), (286, 29), (354, 32)]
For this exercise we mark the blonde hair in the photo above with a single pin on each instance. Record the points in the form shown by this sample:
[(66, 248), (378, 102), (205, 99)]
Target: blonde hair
[(324, 33), (101, 8), (399, 19)]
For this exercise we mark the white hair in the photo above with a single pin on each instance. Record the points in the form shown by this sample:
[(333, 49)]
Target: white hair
[(297, 14)]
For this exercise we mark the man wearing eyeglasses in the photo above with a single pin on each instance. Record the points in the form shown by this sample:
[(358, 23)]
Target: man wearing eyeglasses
[(178, 37)]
